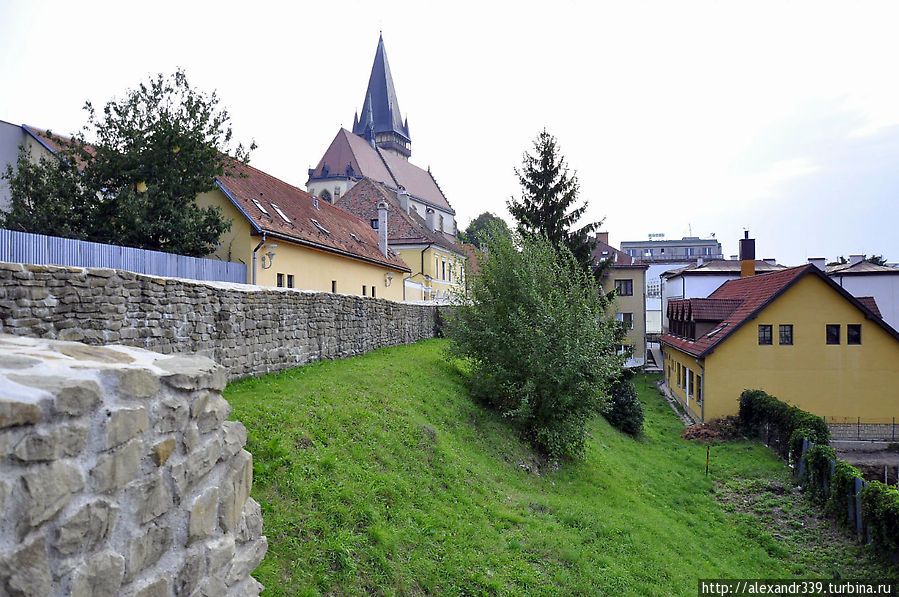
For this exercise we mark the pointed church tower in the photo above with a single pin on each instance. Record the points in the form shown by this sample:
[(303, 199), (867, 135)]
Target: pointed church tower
[(381, 122)]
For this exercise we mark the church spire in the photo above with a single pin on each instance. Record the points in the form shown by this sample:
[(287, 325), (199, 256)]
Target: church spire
[(381, 118)]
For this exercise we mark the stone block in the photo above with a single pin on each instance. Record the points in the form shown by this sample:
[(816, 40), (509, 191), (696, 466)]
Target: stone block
[(153, 498), (48, 488), (188, 372), (211, 586), (98, 354), (196, 465), (4, 495), (213, 412), (62, 442), (249, 587), (161, 587), (101, 575), (220, 553), (170, 414), (124, 424), (235, 489), (191, 437), (136, 383), (18, 412), (86, 528), (161, 451), (246, 559), (71, 396), (203, 515), (146, 549), (12, 361), (117, 468), (26, 571), (250, 525), (235, 438), (191, 572), (71, 334)]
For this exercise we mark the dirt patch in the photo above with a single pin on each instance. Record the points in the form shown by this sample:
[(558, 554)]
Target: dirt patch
[(715, 430), (871, 458)]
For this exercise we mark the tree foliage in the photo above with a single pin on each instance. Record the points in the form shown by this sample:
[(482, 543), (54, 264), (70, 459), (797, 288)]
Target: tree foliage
[(549, 197), (625, 411), (875, 259), (137, 178), (542, 352), (480, 226)]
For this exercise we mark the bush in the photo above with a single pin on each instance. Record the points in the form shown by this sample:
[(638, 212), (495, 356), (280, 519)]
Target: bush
[(817, 474), (532, 324), (757, 409), (880, 510), (625, 411), (842, 485)]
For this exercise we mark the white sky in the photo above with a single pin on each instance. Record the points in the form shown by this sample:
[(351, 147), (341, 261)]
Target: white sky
[(779, 117)]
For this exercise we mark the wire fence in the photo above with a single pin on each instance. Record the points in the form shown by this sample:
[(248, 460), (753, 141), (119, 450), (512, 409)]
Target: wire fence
[(858, 428), (38, 249)]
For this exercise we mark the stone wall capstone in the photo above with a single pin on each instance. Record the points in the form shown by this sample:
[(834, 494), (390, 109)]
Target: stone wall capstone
[(120, 475), (249, 330)]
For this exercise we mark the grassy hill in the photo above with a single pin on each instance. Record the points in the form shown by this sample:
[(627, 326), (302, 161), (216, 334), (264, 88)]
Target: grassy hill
[(379, 475)]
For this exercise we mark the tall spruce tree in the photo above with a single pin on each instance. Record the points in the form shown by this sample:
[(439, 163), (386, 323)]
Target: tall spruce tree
[(135, 181), (548, 204)]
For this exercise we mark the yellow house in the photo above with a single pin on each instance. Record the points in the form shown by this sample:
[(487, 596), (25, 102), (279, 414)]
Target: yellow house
[(436, 260), (627, 277), (288, 238), (793, 333)]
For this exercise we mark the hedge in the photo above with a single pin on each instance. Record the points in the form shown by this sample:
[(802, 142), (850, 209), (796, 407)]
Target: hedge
[(880, 510), (789, 424)]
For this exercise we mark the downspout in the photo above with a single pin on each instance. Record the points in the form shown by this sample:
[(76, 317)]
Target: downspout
[(422, 271), (701, 391), (259, 246)]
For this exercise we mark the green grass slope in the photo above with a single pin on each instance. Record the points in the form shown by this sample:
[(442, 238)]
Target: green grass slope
[(379, 475)]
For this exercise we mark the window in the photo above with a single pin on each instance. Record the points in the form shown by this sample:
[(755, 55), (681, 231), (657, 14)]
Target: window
[(441, 223), (333, 285), (692, 384), (319, 226), (854, 333), (624, 287), (786, 334), (443, 270), (373, 291), (374, 223), (290, 280), (678, 374), (691, 251), (262, 209), (833, 333), (707, 250), (764, 335), (364, 290), (281, 213), (697, 391), (628, 320), (280, 280)]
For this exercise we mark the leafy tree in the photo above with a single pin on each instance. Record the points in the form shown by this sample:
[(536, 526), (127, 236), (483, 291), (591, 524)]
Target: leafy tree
[(480, 227), (625, 411), (876, 259), (548, 200), (150, 155), (542, 351)]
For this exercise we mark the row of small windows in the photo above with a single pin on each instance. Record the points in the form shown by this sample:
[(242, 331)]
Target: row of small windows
[(831, 334), (686, 379), (288, 278)]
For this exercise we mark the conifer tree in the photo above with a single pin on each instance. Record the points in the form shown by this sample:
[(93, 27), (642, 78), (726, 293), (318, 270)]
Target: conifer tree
[(549, 198)]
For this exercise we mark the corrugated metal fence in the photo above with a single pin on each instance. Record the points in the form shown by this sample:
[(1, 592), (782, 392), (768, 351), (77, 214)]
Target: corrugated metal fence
[(23, 247)]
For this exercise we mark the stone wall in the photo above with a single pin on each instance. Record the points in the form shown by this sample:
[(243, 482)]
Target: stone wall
[(119, 473), (249, 330)]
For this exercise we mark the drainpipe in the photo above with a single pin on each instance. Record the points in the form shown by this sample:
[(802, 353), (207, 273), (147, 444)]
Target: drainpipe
[(422, 272), (701, 391), (259, 246)]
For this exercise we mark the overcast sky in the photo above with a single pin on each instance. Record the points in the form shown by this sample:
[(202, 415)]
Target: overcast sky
[(679, 117)]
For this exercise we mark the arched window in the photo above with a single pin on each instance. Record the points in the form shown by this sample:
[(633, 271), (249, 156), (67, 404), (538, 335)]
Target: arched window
[(326, 196)]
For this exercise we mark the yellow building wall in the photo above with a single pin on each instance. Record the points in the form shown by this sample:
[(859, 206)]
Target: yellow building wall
[(312, 269), (635, 304), (689, 391), (836, 381), (434, 258)]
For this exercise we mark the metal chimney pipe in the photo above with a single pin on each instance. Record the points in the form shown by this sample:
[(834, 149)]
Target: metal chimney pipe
[(382, 227)]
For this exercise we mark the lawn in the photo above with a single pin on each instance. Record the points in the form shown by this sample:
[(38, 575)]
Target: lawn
[(379, 475)]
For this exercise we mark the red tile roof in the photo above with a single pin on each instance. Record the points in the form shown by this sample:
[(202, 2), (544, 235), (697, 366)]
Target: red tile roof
[(382, 166), (54, 142), (603, 251), (870, 303), (753, 294), (339, 231)]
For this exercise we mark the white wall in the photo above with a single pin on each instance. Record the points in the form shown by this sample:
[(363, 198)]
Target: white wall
[(883, 287), (697, 286), (11, 137)]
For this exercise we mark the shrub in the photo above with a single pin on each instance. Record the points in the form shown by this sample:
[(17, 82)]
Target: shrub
[(757, 409), (817, 474), (532, 325), (880, 510), (625, 411), (842, 485)]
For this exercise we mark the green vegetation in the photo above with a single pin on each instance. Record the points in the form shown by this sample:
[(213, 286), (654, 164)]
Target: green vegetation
[(532, 327), (379, 475), (788, 424)]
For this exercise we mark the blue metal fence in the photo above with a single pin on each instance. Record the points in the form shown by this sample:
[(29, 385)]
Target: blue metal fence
[(23, 247)]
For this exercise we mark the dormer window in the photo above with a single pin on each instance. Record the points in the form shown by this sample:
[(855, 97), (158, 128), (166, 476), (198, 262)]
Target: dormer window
[(374, 223), (280, 213)]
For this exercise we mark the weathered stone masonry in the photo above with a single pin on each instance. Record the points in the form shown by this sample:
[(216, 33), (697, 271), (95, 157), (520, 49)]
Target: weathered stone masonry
[(250, 331), (120, 475)]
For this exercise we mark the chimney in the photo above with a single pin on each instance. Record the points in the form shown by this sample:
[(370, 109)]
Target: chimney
[(429, 219), (817, 262), (699, 262), (853, 259), (602, 237), (382, 227), (403, 197), (747, 255), (770, 260)]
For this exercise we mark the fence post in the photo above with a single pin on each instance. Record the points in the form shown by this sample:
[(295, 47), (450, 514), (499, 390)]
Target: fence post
[(859, 523), (894, 429), (858, 428)]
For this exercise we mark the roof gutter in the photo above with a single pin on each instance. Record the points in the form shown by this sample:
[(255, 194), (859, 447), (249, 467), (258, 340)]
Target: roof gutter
[(327, 249), (256, 228)]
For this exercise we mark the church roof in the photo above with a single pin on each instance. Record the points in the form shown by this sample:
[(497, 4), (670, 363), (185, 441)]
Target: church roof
[(380, 109), (391, 170)]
